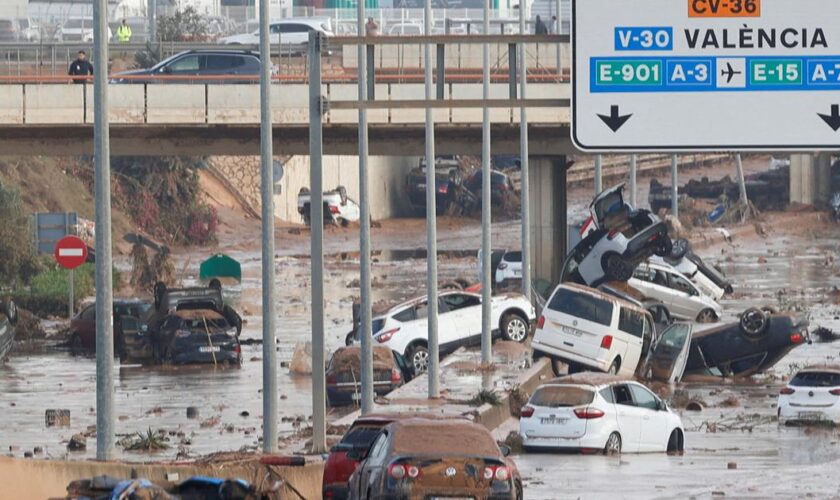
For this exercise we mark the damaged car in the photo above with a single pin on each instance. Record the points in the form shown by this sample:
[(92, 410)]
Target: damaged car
[(672, 288), (344, 375), (755, 343), (811, 396), (190, 325), (616, 238), (596, 413), (448, 179), (404, 328), (83, 324), (339, 209), (426, 458)]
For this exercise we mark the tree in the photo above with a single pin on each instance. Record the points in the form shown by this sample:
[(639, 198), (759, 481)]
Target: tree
[(19, 262), (182, 26)]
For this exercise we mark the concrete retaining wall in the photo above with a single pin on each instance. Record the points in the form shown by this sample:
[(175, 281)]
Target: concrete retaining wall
[(37, 479)]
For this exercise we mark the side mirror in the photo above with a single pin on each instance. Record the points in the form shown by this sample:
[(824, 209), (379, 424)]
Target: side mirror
[(505, 449)]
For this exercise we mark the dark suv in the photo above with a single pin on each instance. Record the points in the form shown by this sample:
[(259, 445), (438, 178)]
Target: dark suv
[(207, 66)]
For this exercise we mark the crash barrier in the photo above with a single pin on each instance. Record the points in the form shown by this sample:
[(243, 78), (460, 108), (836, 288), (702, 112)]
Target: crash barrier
[(49, 478), (613, 167), (63, 103)]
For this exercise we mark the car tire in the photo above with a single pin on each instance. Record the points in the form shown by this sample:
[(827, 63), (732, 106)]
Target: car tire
[(707, 316), (613, 445), (418, 356), (674, 442), (614, 367), (616, 268), (753, 323), (665, 248), (75, 343), (514, 328), (679, 248), (349, 339), (518, 489)]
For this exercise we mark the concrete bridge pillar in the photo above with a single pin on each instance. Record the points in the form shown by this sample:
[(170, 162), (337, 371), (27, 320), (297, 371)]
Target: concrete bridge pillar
[(548, 216), (810, 178)]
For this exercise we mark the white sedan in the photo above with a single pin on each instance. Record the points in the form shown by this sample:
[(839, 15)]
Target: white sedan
[(593, 412), (812, 396), (404, 328)]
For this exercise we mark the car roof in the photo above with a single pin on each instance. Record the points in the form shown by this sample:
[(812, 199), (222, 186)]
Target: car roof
[(601, 295), (820, 368), (603, 194), (387, 418), (421, 298), (595, 379), (222, 51)]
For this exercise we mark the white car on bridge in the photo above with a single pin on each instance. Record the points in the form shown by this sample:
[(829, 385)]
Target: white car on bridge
[(292, 31), (404, 328)]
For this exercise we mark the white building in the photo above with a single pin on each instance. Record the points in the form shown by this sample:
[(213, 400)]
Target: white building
[(13, 8)]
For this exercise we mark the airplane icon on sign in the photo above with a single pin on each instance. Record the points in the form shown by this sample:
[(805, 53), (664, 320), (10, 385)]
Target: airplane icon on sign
[(729, 72)]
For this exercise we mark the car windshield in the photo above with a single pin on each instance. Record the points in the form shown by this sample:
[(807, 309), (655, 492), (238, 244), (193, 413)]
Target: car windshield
[(583, 306), (359, 437), (816, 379), (561, 397)]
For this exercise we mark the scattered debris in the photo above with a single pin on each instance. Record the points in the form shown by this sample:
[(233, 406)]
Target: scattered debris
[(192, 412), (77, 443), (301, 363), (57, 418), (694, 406), (150, 441), (732, 465), (826, 334), (485, 396)]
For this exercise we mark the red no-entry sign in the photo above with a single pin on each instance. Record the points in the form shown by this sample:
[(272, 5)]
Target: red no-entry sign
[(71, 252)]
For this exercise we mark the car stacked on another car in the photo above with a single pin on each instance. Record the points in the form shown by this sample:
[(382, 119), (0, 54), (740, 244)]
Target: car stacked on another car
[(811, 396), (430, 458), (593, 413), (404, 328), (616, 238), (683, 299), (344, 376), (192, 325)]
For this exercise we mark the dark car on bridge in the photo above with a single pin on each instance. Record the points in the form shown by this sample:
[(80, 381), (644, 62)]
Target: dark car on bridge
[(753, 344), (199, 66)]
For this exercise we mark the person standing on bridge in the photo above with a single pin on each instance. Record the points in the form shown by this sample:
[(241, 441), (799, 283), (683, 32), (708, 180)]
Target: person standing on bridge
[(124, 32), (371, 28), (80, 67), (539, 27)]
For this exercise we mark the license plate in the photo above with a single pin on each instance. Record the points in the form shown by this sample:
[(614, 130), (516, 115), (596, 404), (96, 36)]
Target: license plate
[(421, 187), (553, 421), (572, 331), (207, 348), (810, 415), (356, 396)]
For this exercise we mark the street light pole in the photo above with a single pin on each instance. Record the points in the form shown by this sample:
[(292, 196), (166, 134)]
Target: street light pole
[(486, 209), (431, 221), (104, 285), (523, 160)]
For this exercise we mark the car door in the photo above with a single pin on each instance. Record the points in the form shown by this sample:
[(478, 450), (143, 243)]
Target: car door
[(654, 431), (651, 282), (188, 65), (670, 354), (372, 466), (463, 315), (629, 417), (85, 325)]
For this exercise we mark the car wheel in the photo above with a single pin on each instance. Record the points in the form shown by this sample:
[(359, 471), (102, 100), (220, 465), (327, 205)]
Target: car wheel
[(679, 248), (349, 339), (419, 357), (514, 328), (674, 442), (519, 491), (753, 323), (707, 316), (616, 267), (664, 249), (75, 343), (614, 367), (613, 446), (11, 312)]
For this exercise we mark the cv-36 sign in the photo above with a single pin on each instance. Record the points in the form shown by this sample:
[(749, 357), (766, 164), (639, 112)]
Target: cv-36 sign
[(683, 75)]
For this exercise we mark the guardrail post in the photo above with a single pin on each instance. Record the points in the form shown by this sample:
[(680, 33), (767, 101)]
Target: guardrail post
[(441, 69), (371, 72)]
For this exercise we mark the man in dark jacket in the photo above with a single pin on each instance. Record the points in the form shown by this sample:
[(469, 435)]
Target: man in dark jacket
[(539, 27), (80, 67)]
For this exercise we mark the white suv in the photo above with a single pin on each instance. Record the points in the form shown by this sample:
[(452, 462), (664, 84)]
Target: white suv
[(589, 329), (683, 299), (404, 328)]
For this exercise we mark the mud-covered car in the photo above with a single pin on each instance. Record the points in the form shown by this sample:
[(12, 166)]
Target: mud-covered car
[(339, 209), (424, 458), (616, 238), (753, 344), (447, 179), (190, 325), (344, 384), (8, 320), (83, 324)]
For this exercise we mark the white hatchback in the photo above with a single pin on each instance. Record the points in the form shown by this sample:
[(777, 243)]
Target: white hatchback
[(683, 299), (598, 413), (812, 396), (404, 328)]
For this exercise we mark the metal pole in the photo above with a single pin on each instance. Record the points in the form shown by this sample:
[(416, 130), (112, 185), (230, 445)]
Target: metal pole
[(558, 50), (633, 181), (742, 186), (270, 408), (523, 161), (104, 292), (431, 222), (71, 300), (486, 209), (675, 205), (365, 328), (153, 22), (598, 173), (316, 154)]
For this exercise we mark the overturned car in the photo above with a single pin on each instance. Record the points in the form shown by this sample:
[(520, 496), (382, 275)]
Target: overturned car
[(188, 325)]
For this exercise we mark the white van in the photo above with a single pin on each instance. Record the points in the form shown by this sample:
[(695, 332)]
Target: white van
[(589, 329)]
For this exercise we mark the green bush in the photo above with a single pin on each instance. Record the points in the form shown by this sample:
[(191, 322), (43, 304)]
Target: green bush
[(53, 282), (18, 262)]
